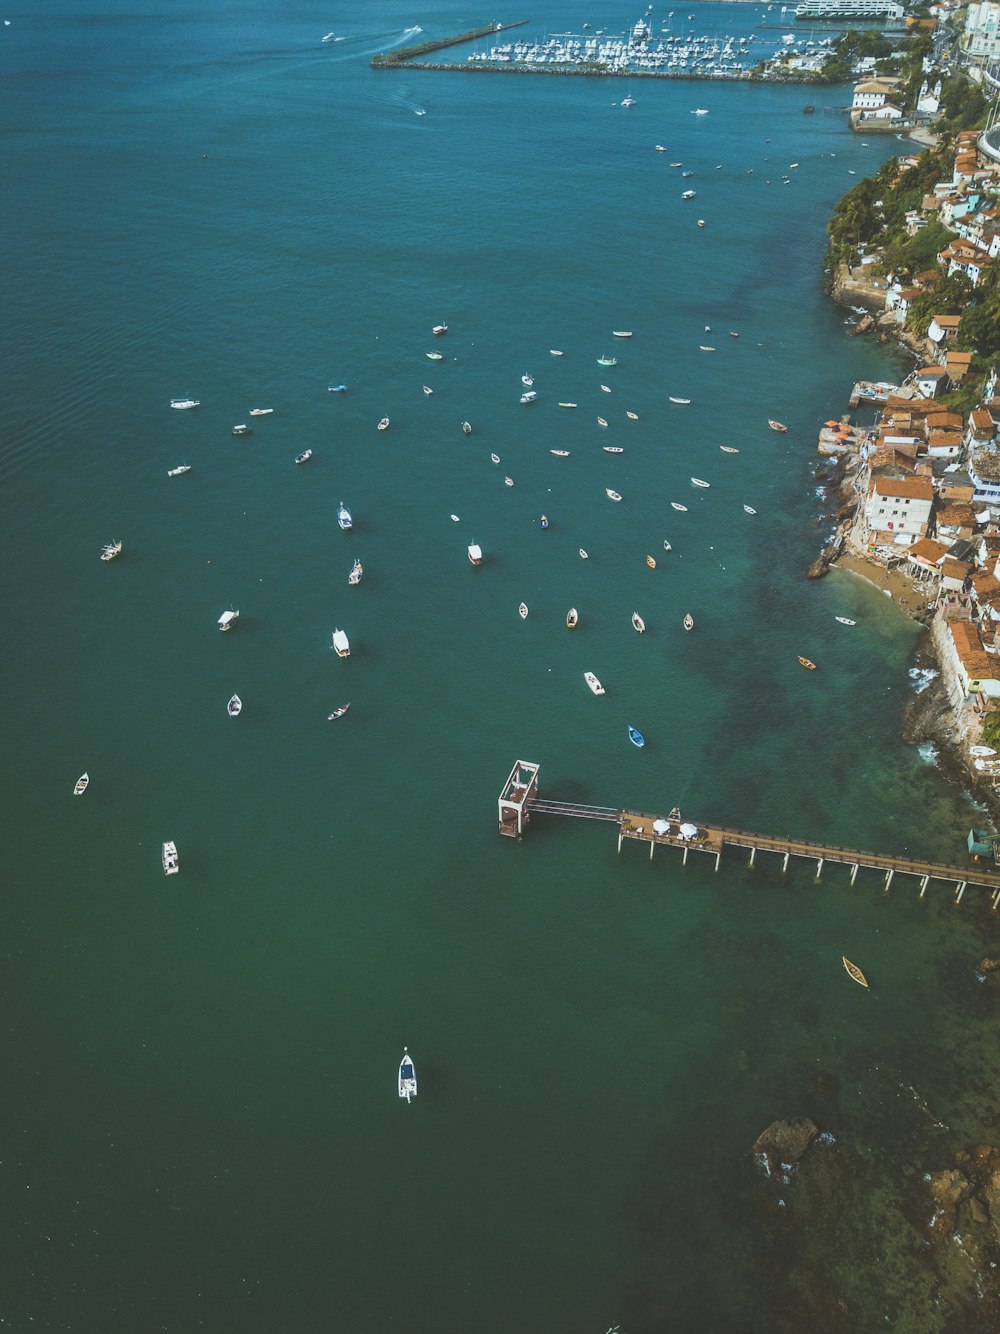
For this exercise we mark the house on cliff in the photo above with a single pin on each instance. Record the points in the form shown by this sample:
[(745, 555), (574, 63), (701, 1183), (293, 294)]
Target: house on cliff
[(897, 512)]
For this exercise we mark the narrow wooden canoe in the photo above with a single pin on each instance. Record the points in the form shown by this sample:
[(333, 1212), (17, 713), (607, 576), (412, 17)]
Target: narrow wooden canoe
[(853, 971)]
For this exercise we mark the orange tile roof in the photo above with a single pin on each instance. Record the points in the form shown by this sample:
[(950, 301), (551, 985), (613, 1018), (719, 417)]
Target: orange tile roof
[(907, 488)]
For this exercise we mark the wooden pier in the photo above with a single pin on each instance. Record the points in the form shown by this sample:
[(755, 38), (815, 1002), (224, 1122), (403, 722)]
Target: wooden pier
[(519, 801)]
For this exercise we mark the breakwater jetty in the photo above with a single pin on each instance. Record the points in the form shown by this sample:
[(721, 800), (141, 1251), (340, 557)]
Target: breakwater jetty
[(404, 54), (606, 72), (519, 801)]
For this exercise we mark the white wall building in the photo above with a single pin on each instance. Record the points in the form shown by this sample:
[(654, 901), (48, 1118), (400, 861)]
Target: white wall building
[(981, 37)]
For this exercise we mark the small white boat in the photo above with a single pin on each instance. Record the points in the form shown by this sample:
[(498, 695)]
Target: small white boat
[(356, 574), (440, 329), (344, 516), (601, 421), (243, 429), (701, 222), (621, 333), (475, 553), (688, 194), (182, 404), (583, 554), (168, 855), (704, 347), (80, 786), (607, 361), (678, 400), (466, 428), (659, 148), (522, 611), (428, 389), (982, 751), (384, 424), (554, 352), (508, 481), (700, 111), (613, 449), (611, 495), (179, 470), (111, 550), (228, 619), (434, 356), (676, 504), (235, 707), (638, 624), (776, 426), (572, 618), (304, 457), (845, 620), (560, 453), (567, 405), (605, 389), (261, 412), (495, 458), (748, 509), (696, 481), (666, 545), (527, 379), (529, 397), (688, 621), (337, 713), (628, 102), (455, 519), (341, 644), (592, 681), (407, 1077), (632, 416), (729, 449)]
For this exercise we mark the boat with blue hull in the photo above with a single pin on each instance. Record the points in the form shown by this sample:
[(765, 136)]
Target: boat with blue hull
[(636, 737)]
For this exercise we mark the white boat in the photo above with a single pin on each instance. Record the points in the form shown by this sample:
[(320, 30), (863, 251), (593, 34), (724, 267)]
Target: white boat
[(243, 429), (455, 518), (613, 449), (659, 148), (228, 619), (749, 510), (337, 713), (183, 403), (357, 570), (632, 416), (607, 361), (522, 611), (179, 470), (688, 621), (676, 504), (678, 400), (845, 620), (384, 424), (475, 553), (560, 453), (700, 111), (508, 481), (567, 405), (344, 516), (440, 329), (168, 855), (605, 389), (261, 412), (601, 421), (628, 102), (554, 352), (973, 750), (688, 194), (407, 1077), (705, 347), (495, 458), (621, 333), (434, 356), (341, 644), (701, 223), (729, 449), (110, 550), (572, 618), (776, 426), (611, 495), (304, 457), (527, 379), (592, 681), (696, 481), (80, 786), (529, 397), (428, 389), (235, 707), (638, 624), (583, 554), (466, 428), (666, 545)]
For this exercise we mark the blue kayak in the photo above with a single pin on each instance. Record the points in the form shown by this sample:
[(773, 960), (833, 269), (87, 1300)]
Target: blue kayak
[(636, 737)]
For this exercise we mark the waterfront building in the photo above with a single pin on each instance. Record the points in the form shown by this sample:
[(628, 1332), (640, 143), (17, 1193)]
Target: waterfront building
[(849, 9), (898, 510), (930, 380)]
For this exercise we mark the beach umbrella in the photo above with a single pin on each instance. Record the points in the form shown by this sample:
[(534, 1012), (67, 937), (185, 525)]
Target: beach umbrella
[(688, 830), (660, 826), (831, 423)]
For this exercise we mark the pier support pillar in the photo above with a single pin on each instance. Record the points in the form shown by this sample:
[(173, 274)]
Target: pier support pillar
[(684, 862), (888, 878), (718, 858), (996, 900), (784, 864), (753, 853), (819, 867), (620, 836), (652, 845), (854, 872), (961, 891), (923, 886)]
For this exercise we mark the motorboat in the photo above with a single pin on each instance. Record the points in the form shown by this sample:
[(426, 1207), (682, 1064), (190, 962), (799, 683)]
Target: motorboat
[(651, 562), (700, 111), (688, 194), (357, 571), (628, 102), (572, 618), (659, 148), (495, 458), (621, 333), (466, 428), (733, 334), (336, 388), (676, 504), (261, 412), (384, 424), (554, 352), (341, 644), (678, 400), (475, 553), (304, 457), (845, 620), (182, 404), (701, 222), (527, 379), (508, 481), (729, 449), (809, 666), (854, 972), (636, 737), (981, 751), (228, 619), (613, 449), (607, 361), (529, 397), (583, 554), (168, 855), (111, 550), (235, 707), (705, 347), (543, 522), (749, 509), (611, 495), (667, 546), (560, 453), (696, 481), (337, 713), (632, 416), (455, 518), (440, 329), (80, 786), (344, 516), (688, 621), (605, 389), (522, 611), (567, 405), (434, 356), (776, 426), (601, 421), (427, 389), (243, 429), (407, 1077), (638, 624), (595, 686), (179, 470)]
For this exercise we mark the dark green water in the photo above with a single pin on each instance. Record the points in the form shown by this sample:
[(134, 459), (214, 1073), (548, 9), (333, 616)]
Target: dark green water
[(199, 1126)]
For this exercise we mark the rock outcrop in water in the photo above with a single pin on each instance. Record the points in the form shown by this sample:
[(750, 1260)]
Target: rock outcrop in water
[(783, 1143)]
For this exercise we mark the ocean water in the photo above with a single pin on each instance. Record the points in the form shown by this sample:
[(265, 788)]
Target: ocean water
[(200, 1127)]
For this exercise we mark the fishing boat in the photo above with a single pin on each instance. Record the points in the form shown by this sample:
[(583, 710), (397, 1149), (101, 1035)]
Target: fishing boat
[(666, 545), (522, 611), (638, 624), (560, 453), (243, 429), (261, 412), (527, 379), (729, 449), (183, 404), (776, 426), (676, 505), (337, 713), (407, 1077), (475, 553), (607, 361), (613, 449), (466, 428), (678, 400), (384, 424), (688, 194), (111, 550), (543, 522), (341, 644), (434, 356), (981, 751), (529, 397), (605, 389), (567, 405), (440, 329), (611, 495), (495, 458), (632, 416), (80, 786), (455, 519), (427, 389), (854, 972), (636, 737), (749, 509), (356, 574), (688, 621), (621, 333), (336, 388), (168, 855), (659, 148), (179, 470), (595, 686), (651, 562), (845, 620), (572, 618), (344, 516), (227, 620), (508, 481), (601, 421), (704, 347), (583, 554), (733, 333), (235, 707), (696, 481), (809, 666), (701, 223), (304, 457), (554, 352)]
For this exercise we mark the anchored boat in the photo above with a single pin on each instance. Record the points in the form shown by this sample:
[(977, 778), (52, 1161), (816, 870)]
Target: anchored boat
[(636, 737), (854, 972), (80, 786), (234, 707), (407, 1077), (168, 854), (595, 686)]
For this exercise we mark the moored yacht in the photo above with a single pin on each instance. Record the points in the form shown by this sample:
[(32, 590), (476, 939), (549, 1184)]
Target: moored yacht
[(344, 516), (179, 470), (110, 550), (407, 1077), (475, 553), (593, 684), (184, 403), (357, 570), (341, 644), (168, 854), (228, 619)]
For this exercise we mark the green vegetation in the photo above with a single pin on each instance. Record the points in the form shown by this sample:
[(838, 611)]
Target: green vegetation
[(991, 728), (963, 106)]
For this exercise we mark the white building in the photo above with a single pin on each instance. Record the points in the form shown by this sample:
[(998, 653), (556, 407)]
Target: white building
[(898, 509), (981, 37)]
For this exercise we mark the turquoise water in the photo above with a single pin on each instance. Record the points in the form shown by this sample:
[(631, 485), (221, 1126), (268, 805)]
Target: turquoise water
[(200, 1127)]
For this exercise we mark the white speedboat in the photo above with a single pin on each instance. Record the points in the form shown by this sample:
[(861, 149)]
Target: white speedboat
[(845, 620), (696, 481), (678, 400), (508, 481), (341, 644), (667, 546), (583, 554), (304, 457), (228, 619), (182, 404), (384, 424), (688, 621), (605, 389), (407, 1077), (705, 347), (688, 194), (527, 379), (235, 707), (729, 449), (613, 449), (80, 786), (638, 624), (611, 495), (572, 618), (621, 333), (560, 453), (168, 854), (601, 421), (434, 356), (529, 397), (261, 412), (981, 751), (344, 516), (357, 570), (554, 352), (522, 611), (110, 550), (243, 429), (567, 405), (748, 509), (475, 553), (179, 470), (466, 428), (632, 416), (676, 504), (337, 713), (595, 686), (440, 329), (700, 111), (494, 458)]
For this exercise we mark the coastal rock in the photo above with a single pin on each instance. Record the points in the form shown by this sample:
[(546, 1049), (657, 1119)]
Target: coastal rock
[(988, 965), (947, 1190), (865, 325), (783, 1142)]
